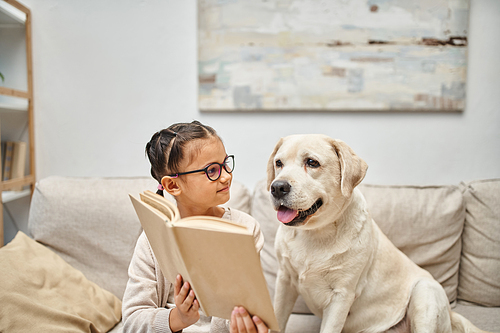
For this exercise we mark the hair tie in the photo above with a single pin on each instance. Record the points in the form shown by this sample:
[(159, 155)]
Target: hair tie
[(160, 187)]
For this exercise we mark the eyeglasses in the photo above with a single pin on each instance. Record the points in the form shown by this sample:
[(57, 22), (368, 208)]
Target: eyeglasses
[(213, 170)]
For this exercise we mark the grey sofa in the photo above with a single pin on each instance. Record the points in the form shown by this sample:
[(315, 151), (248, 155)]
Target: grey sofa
[(452, 231)]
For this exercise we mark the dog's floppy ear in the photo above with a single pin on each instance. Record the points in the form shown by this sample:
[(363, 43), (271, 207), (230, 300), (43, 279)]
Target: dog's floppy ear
[(352, 167), (270, 164)]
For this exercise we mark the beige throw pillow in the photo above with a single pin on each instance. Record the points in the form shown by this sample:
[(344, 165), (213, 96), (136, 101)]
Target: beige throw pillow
[(40, 292)]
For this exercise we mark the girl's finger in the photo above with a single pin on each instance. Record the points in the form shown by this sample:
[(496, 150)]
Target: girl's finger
[(196, 305), (247, 320), (188, 301), (233, 325), (184, 291), (261, 327), (177, 284), (240, 323)]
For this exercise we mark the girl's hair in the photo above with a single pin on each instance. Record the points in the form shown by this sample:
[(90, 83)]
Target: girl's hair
[(165, 150)]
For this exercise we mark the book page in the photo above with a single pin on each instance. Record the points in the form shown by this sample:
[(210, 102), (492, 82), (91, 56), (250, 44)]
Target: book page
[(212, 223), (162, 240), (172, 214), (163, 205)]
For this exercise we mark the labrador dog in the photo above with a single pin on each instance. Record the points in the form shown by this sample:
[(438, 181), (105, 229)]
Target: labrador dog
[(332, 253)]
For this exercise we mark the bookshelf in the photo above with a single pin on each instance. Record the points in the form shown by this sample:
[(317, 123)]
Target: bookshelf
[(16, 97)]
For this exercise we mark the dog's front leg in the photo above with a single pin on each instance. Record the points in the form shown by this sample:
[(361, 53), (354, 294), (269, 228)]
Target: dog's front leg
[(284, 298), (335, 313)]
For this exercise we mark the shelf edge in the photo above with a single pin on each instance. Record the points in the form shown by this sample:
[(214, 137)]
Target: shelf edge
[(9, 196)]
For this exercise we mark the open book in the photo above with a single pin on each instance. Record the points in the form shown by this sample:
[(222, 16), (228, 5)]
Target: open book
[(216, 256)]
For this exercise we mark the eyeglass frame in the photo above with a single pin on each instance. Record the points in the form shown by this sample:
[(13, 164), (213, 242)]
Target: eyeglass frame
[(205, 169)]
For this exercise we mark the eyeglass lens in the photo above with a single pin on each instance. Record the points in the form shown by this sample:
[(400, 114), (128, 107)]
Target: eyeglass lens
[(214, 170)]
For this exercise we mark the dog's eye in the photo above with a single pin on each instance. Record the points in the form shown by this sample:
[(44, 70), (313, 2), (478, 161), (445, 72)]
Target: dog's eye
[(279, 164), (312, 163)]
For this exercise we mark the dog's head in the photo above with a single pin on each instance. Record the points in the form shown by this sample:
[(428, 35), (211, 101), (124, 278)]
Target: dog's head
[(311, 177)]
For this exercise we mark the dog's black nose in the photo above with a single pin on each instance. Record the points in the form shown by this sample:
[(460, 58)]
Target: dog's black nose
[(280, 188)]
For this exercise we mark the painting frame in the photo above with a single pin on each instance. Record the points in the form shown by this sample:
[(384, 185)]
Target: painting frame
[(313, 55)]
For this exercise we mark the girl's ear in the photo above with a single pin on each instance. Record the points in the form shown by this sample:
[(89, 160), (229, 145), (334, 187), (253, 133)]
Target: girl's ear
[(171, 185)]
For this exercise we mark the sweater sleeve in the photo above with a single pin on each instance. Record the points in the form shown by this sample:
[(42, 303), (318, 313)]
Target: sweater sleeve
[(145, 299)]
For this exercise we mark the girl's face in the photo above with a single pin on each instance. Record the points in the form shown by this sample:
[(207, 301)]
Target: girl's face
[(198, 195)]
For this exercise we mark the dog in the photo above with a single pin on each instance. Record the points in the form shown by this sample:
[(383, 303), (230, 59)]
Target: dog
[(332, 253)]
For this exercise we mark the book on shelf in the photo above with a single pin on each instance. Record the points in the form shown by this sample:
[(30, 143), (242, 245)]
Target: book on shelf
[(216, 256), (8, 147), (18, 162)]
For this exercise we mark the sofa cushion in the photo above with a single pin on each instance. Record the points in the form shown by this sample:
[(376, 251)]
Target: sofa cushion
[(40, 292), (424, 222), (480, 264), (90, 223), (485, 318)]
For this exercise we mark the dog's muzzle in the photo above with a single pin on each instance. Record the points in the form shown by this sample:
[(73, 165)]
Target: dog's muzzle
[(288, 216)]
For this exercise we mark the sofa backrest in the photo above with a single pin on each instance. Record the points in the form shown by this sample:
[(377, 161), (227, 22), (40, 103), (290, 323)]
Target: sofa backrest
[(454, 232), (426, 223), (480, 261), (91, 223)]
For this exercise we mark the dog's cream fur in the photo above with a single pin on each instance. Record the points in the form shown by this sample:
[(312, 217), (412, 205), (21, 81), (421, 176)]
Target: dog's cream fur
[(345, 268)]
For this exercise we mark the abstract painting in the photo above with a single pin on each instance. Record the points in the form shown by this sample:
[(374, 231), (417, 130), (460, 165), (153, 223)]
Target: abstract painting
[(332, 55)]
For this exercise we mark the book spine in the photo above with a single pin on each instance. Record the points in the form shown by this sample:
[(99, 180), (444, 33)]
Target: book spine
[(7, 169), (18, 161)]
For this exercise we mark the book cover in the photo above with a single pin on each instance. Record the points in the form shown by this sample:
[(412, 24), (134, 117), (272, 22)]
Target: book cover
[(216, 256)]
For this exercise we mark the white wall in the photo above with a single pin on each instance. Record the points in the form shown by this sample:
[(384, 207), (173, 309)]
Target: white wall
[(108, 74)]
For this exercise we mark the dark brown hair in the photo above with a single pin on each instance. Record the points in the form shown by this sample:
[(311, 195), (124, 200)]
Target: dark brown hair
[(165, 150)]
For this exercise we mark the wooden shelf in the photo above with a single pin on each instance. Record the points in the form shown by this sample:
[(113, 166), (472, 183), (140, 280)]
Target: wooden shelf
[(8, 196), (14, 92), (11, 107), (13, 14), (19, 182)]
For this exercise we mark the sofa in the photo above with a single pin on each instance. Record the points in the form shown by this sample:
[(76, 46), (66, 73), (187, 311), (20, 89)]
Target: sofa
[(69, 274)]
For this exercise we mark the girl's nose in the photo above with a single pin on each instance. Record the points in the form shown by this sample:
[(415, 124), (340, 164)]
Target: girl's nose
[(225, 176)]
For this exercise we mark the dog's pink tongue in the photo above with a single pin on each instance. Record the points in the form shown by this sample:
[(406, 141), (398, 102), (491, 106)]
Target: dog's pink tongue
[(286, 215)]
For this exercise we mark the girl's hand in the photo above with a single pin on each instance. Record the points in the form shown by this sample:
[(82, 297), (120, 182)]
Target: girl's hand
[(242, 323), (186, 311)]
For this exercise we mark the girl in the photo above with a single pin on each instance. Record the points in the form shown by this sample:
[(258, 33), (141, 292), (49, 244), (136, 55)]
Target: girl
[(190, 162)]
